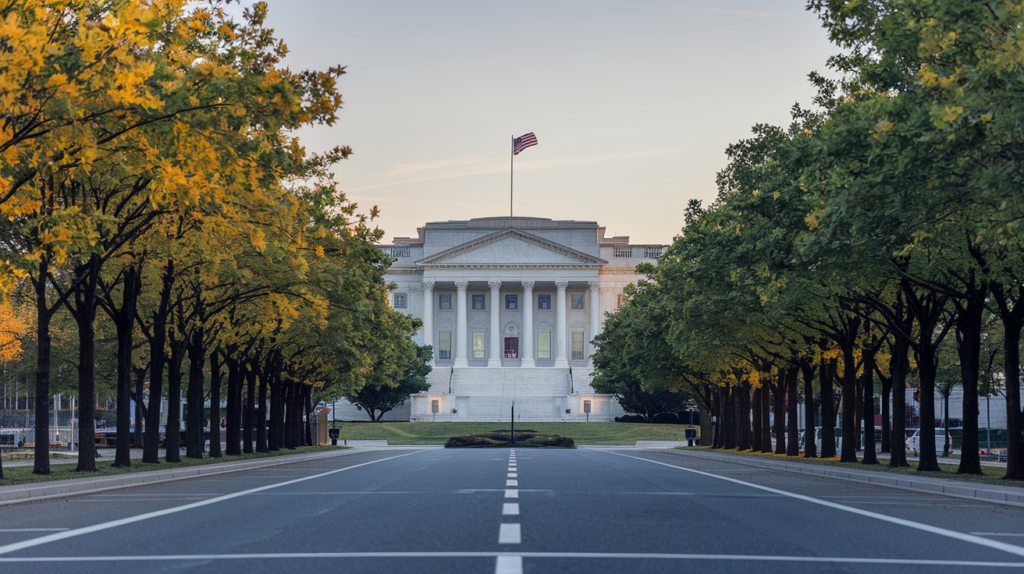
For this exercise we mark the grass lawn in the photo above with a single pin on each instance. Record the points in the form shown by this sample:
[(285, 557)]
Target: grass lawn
[(993, 475), (23, 474), (582, 433)]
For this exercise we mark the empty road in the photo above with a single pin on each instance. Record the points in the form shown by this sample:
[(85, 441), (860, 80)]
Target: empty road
[(511, 511)]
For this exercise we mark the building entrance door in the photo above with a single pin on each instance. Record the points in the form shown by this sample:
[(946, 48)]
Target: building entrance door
[(511, 347)]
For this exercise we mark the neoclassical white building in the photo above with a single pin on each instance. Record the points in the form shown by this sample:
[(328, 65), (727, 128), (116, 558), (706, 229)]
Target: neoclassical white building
[(510, 306)]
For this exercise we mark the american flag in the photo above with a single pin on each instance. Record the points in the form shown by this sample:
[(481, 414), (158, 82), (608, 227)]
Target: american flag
[(523, 142)]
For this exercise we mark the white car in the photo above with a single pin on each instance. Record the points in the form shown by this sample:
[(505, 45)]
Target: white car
[(914, 441)]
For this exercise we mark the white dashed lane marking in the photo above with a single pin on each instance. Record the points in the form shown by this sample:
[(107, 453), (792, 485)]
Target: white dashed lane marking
[(509, 565), (513, 475), (511, 494), (509, 534), (511, 482), (510, 509)]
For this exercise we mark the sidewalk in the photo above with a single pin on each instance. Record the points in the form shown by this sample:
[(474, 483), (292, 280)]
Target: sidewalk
[(58, 488), (1010, 495)]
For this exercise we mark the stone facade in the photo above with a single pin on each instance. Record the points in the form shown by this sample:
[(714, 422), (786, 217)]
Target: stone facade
[(510, 306)]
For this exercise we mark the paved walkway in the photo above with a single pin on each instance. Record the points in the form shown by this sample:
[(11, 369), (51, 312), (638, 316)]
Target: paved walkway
[(1011, 495), (55, 488)]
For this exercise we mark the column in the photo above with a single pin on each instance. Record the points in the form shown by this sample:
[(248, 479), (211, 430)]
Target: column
[(462, 326), (428, 316), (595, 316), (526, 341), (497, 347), (560, 342)]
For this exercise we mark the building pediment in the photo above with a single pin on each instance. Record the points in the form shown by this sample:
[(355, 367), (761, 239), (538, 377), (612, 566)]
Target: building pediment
[(511, 248)]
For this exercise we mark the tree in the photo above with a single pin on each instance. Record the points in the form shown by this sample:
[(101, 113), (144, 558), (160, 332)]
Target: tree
[(376, 400)]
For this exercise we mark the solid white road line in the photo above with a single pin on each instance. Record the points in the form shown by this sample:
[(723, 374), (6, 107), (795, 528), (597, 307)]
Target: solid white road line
[(511, 494), (961, 564), (509, 534), (510, 509), (509, 565), (511, 482), (131, 519), (1010, 548)]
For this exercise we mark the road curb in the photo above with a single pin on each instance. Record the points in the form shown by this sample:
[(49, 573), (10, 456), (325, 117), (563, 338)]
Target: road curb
[(1009, 495), (36, 491)]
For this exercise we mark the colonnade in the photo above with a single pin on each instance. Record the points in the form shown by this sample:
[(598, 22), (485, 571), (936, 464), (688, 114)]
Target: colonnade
[(526, 340)]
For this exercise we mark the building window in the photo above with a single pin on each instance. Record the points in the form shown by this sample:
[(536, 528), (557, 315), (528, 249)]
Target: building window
[(444, 345), (444, 301), (511, 302), (544, 345), (577, 345), (652, 252), (622, 251), (397, 252), (544, 301), (619, 300), (401, 300), (478, 345), (478, 302), (576, 300)]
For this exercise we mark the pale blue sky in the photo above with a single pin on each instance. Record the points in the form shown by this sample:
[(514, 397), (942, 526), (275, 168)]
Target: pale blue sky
[(633, 103)]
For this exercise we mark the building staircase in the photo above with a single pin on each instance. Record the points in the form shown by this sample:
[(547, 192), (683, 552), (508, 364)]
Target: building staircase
[(487, 394)]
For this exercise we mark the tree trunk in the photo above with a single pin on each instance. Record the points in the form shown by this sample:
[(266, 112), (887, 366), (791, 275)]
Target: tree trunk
[(309, 414), (793, 441), (41, 450), (706, 430), (849, 412), (234, 415), (174, 376), (766, 412), (719, 400), (729, 424), (860, 416), (826, 382), (196, 378), (969, 321), (157, 357), (84, 313), (756, 446), (900, 366), (247, 412), (261, 415), (947, 445), (274, 434), (810, 448), (140, 411), (214, 404), (124, 321), (926, 376), (1011, 369), (780, 413), (886, 425), (869, 407)]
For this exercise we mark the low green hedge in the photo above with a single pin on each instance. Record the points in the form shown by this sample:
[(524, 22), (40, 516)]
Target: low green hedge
[(524, 438)]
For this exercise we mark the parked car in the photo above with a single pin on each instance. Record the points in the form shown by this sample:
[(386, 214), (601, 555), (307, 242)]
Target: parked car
[(914, 441)]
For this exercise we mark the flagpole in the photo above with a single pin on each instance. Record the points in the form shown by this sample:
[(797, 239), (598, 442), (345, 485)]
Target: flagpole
[(511, 173)]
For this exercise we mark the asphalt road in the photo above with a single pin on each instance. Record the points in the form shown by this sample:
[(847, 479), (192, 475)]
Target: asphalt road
[(563, 511)]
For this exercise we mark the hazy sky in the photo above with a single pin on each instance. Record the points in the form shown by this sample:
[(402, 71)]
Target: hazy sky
[(633, 103)]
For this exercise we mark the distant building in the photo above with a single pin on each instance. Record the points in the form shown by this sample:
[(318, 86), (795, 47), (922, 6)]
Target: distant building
[(510, 306)]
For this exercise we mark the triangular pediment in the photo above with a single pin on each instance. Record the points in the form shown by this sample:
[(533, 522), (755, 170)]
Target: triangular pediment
[(511, 247)]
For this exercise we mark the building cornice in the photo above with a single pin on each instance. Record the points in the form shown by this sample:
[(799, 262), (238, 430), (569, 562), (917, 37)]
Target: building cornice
[(533, 266), (437, 260)]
